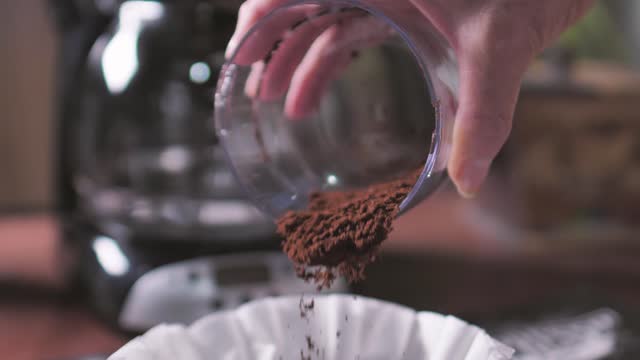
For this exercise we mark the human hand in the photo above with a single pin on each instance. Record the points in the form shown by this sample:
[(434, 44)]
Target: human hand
[(494, 41)]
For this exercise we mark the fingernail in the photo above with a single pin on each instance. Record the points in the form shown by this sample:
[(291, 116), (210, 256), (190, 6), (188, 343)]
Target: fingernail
[(473, 176)]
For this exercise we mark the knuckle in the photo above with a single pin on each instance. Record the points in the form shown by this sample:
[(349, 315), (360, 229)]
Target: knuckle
[(502, 27), (253, 9), (245, 9)]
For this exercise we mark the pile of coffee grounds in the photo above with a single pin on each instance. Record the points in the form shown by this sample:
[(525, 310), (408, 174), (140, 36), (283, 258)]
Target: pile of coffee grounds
[(340, 232)]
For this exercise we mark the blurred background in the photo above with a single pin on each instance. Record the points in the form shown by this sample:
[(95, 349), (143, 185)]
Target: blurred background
[(27, 106), (93, 234)]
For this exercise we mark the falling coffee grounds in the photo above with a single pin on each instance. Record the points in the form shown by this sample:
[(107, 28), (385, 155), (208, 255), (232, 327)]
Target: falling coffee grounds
[(305, 307), (340, 232)]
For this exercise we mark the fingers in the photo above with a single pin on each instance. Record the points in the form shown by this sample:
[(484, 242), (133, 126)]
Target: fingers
[(254, 79), (327, 58), (315, 73), (444, 15), (283, 63), (261, 42), (494, 43), (301, 50)]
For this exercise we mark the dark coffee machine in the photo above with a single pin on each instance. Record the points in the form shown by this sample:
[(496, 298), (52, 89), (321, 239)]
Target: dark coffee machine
[(160, 229)]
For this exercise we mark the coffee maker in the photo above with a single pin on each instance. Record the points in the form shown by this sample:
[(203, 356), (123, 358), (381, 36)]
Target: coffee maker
[(158, 228)]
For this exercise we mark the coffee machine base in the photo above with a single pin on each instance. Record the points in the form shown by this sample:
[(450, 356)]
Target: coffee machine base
[(134, 289)]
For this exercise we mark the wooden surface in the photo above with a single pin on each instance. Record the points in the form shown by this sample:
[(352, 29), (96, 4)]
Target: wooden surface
[(39, 319), (43, 326)]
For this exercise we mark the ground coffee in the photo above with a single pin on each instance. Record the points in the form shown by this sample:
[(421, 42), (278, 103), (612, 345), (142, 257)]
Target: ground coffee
[(340, 232), (305, 307)]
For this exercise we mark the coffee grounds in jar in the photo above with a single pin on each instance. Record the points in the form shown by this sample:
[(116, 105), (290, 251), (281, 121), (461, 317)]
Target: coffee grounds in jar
[(340, 232)]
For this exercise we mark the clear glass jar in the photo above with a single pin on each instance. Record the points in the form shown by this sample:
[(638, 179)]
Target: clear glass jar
[(388, 110)]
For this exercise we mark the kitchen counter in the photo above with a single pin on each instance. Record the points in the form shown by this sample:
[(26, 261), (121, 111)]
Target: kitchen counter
[(38, 324), (40, 319), (457, 262)]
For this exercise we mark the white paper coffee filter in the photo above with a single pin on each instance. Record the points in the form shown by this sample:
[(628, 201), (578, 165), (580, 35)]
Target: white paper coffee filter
[(339, 327)]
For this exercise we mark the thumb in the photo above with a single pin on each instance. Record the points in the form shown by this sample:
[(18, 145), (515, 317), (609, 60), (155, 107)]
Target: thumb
[(489, 87)]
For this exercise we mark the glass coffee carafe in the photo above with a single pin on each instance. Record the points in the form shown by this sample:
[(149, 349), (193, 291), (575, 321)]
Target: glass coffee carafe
[(145, 155)]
